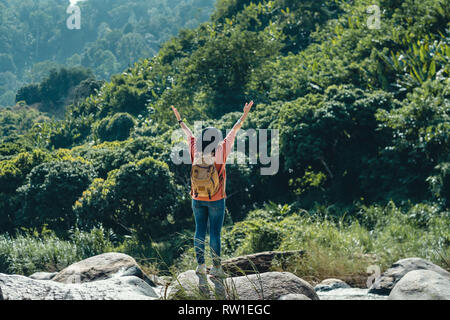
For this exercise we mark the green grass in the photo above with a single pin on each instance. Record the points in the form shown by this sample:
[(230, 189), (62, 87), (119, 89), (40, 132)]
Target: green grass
[(30, 252)]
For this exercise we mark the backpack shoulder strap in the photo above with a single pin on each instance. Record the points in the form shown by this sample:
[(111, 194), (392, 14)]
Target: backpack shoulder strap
[(221, 179)]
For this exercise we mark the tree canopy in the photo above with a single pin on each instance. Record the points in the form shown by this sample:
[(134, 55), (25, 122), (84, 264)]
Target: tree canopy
[(113, 35)]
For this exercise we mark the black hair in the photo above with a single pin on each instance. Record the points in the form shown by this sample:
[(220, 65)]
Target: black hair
[(209, 139)]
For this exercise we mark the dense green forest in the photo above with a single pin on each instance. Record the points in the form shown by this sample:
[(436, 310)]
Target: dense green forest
[(113, 35), (364, 121)]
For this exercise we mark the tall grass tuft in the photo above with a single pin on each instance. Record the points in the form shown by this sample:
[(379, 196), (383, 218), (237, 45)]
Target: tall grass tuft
[(31, 252)]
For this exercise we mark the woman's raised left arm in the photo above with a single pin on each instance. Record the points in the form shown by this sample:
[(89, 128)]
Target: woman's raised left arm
[(241, 120)]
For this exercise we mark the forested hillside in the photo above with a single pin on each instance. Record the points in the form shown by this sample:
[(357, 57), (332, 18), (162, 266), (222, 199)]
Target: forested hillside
[(363, 115), (113, 35)]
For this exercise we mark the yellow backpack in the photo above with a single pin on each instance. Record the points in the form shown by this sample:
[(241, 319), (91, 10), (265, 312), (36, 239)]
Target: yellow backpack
[(204, 177)]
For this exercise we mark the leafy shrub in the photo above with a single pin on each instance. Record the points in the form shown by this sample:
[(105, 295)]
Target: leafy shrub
[(139, 196), (54, 89), (51, 190), (440, 184), (419, 139), (105, 157), (117, 127)]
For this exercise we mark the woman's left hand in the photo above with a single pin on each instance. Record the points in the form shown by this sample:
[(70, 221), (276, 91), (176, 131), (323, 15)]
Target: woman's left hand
[(247, 107)]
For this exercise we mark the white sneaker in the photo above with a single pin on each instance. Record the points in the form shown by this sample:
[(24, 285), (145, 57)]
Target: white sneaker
[(201, 269), (218, 272)]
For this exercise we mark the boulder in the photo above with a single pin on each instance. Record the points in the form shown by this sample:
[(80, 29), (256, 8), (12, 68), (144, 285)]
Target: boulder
[(268, 286), (264, 286), (162, 280), (422, 285), (101, 267), (190, 285), (43, 275), (1, 294), (294, 296), (17, 287), (331, 284), (388, 279)]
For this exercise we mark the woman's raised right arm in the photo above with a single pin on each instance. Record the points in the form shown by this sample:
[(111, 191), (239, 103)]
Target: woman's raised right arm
[(185, 128)]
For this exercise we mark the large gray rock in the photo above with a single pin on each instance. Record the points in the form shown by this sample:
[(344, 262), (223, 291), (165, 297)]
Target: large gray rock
[(263, 286), (422, 285), (189, 285), (43, 275), (15, 287), (269, 286), (388, 279), (330, 284), (101, 267), (294, 296)]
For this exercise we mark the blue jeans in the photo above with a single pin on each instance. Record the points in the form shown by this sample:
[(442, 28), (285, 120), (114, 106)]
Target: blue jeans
[(214, 211)]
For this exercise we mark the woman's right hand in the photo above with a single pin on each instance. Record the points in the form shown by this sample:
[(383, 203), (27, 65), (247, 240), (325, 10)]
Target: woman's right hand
[(186, 130), (177, 114)]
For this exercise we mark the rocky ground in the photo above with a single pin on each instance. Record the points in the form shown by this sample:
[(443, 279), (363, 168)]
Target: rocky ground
[(116, 276)]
